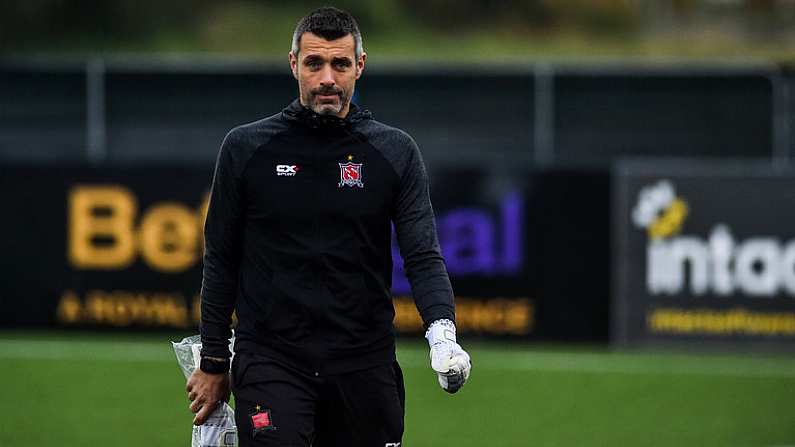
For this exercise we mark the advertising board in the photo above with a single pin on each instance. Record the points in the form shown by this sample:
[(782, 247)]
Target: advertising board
[(704, 252), (121, 247)]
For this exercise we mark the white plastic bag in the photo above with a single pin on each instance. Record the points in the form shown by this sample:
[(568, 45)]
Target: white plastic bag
[(219, 430)]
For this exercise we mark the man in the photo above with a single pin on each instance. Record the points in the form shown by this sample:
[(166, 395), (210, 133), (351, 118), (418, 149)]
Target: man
[(297, 241)]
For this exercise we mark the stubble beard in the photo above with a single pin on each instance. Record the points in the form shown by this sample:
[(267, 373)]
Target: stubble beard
[(324, 108)]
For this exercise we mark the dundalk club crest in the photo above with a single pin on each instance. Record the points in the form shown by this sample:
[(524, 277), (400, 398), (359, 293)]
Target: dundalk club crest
[(351, 174)]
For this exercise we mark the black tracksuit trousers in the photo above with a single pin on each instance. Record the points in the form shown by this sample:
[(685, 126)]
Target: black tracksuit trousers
[(277, 405)]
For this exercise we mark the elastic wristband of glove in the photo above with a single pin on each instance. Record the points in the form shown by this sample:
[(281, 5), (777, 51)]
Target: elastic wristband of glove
[(442, 330)]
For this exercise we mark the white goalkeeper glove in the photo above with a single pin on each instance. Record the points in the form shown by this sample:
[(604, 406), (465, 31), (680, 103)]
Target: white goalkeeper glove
[(450, 362)]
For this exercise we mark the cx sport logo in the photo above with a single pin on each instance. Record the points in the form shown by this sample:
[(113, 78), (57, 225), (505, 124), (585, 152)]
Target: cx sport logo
[(758, 266), (287, 170)]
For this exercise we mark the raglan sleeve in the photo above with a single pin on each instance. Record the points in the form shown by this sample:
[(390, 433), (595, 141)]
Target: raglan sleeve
[(223, 230), (415, 227)]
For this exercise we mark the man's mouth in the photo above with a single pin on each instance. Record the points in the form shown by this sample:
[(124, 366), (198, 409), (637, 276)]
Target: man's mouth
[(331, 97)]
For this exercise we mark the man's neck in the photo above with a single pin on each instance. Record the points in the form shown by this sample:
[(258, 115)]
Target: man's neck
[(344, 112)]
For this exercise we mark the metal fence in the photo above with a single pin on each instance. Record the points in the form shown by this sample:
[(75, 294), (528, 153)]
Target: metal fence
[(135, 110)]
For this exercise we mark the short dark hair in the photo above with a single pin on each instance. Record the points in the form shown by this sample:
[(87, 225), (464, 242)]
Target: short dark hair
[(329, 23)]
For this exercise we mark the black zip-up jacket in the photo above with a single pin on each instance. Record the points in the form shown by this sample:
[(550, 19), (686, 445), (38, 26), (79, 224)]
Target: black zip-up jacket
[(297, 240)]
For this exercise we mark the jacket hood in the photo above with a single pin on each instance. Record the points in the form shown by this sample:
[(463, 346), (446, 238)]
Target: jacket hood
[(296, 112)]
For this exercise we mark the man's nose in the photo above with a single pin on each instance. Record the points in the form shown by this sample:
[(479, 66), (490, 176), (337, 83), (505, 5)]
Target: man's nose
[(327, 77)]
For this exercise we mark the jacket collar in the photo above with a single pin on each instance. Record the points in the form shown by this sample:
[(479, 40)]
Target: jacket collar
[(296, 112)]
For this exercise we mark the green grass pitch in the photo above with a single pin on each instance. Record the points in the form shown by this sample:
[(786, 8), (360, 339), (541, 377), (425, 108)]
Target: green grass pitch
[(67, 389)]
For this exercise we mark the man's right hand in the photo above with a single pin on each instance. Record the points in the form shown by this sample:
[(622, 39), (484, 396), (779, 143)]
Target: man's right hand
[(206, 391)]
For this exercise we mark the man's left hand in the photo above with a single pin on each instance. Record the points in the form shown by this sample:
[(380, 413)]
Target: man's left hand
[(451, 363)]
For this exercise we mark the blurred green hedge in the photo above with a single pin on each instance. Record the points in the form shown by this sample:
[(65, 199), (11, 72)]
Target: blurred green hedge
[(416, 28)]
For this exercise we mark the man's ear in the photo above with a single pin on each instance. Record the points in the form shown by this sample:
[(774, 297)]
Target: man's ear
[(360, 64), (293, 64)]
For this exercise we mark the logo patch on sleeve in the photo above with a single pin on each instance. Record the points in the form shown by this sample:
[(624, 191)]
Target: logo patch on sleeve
[(261, 421)]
